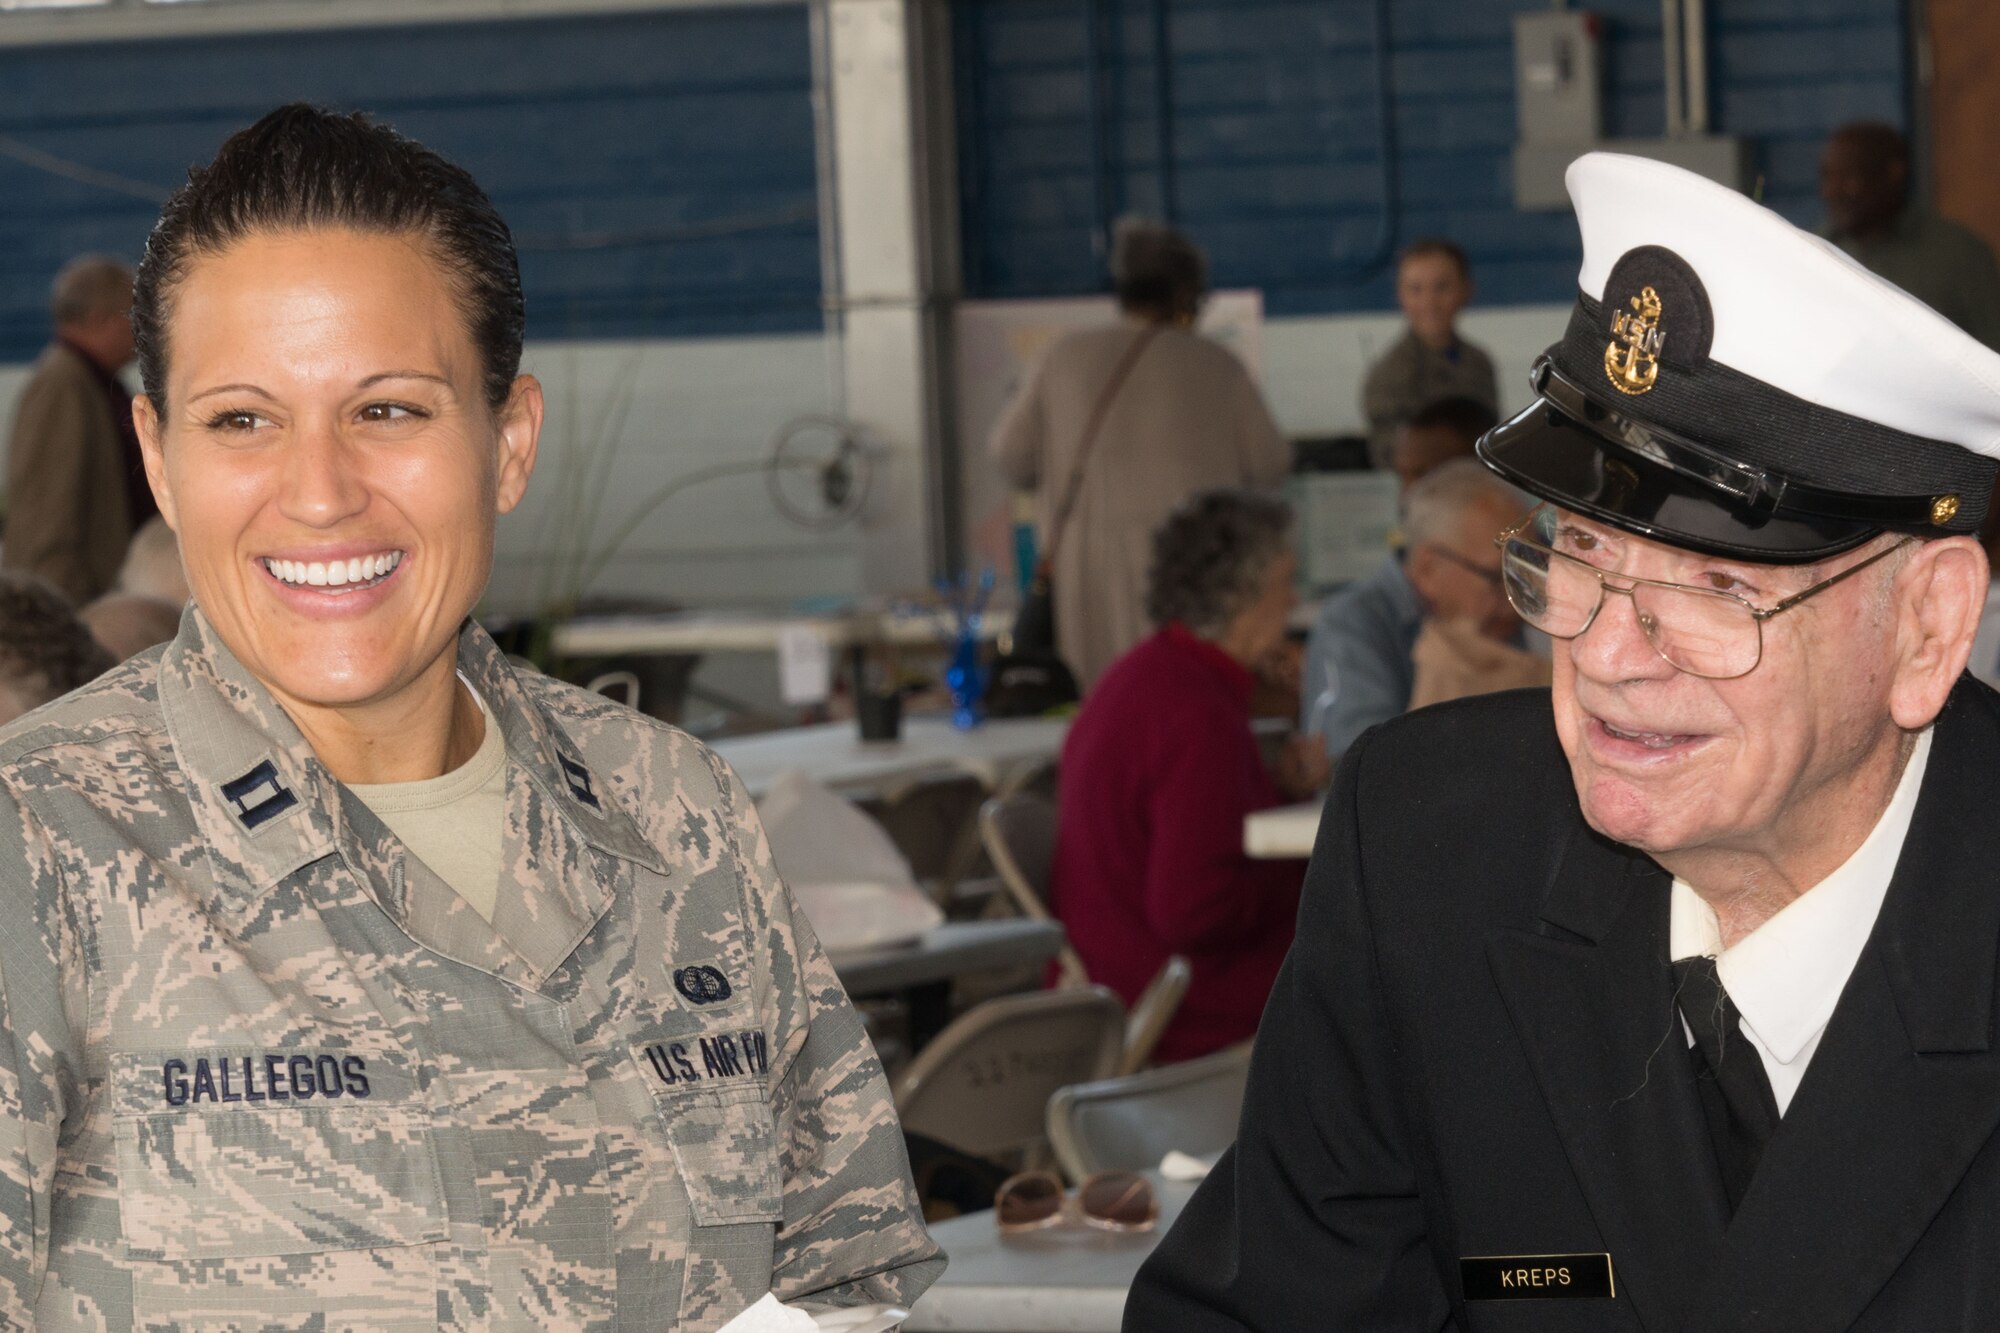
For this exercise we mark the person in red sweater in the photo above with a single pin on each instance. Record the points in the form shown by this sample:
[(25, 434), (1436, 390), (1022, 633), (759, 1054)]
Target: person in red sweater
[(1160, 768)]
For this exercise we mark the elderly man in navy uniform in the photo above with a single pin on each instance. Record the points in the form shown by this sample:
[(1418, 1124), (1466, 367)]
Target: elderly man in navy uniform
[(1703, 1038)]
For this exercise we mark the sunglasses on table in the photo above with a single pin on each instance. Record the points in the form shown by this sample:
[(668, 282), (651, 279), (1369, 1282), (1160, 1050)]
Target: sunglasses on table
[(1108, 1200)]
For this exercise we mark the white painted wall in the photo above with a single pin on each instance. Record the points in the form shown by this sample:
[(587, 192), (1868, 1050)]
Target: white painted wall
[(697, 403), (1313, 367), (692, 405)]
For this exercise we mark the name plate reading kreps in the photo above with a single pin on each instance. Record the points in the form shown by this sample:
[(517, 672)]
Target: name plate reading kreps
[(1537, 1277)]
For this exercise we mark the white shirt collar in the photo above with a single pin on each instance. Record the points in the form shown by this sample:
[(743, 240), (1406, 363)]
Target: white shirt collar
[(1786, 976)]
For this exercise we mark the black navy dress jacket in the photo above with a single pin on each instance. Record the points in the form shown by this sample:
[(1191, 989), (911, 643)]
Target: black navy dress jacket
[(1472, 1051)]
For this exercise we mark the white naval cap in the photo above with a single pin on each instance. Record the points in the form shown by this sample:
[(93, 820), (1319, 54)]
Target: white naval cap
[(1732, 384)]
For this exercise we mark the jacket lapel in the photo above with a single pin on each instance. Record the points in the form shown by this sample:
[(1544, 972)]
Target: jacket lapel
[(1590, 997), (1905, 1087)]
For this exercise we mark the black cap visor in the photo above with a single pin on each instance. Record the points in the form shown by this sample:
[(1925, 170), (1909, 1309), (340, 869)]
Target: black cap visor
[(1634, 476)]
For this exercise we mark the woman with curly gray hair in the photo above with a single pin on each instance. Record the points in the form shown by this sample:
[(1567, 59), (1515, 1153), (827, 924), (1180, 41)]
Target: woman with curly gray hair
[(1160, 768)]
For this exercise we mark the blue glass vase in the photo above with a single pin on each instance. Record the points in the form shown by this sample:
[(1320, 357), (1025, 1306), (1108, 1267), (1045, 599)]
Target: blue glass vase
[(966, 678)]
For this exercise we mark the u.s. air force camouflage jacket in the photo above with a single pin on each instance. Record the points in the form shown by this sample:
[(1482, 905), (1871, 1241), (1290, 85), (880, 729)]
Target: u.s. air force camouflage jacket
[(261, 1069)]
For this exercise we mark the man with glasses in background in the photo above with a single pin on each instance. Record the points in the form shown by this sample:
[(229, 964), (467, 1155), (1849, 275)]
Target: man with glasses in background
[(1362, 656), (1673, 1005)]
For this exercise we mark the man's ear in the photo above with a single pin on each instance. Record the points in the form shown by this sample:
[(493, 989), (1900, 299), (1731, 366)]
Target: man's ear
[(146, 421), (1940, 593)]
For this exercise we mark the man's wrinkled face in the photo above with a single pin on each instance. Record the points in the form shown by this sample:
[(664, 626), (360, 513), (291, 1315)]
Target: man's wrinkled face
[(1670, 762)]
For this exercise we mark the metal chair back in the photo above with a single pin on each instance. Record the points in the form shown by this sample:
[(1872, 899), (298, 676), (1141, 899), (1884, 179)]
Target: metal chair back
[(1020, 836), (983, 1084), (1130, 1123), (620, 685), (935, 823), (1153, 1012)]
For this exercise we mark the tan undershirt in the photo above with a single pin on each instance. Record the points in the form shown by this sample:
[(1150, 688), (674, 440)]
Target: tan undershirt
[(453, 823)]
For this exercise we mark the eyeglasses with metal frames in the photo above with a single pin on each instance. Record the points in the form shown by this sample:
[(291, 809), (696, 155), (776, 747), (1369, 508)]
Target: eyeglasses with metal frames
[(1703, 631)]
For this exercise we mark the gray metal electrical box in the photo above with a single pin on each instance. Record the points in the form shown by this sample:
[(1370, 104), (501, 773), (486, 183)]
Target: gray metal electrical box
[(1559, 76), (1559, 101)]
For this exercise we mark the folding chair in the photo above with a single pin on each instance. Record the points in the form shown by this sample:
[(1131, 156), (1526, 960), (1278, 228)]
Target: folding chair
[(1020, 836), (983, 1084), (1130, 1123)]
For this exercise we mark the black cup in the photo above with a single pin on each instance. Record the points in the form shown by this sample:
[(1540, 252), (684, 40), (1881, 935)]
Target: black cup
[(881, 716)]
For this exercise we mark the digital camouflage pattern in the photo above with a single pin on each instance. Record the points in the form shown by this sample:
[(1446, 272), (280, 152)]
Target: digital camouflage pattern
[(259, 1069)]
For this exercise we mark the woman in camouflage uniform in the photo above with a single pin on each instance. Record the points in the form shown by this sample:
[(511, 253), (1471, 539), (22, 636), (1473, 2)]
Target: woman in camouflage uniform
[(357, 980)]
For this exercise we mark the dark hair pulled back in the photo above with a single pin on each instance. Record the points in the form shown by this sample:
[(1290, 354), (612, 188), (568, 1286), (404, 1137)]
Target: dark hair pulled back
[(302, 168)]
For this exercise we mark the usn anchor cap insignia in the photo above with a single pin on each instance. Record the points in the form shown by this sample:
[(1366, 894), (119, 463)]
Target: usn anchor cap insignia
[(1650, 291), (1632, 358)]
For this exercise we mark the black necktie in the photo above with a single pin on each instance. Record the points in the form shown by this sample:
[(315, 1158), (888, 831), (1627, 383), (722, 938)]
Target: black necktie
[(1736, 1095)]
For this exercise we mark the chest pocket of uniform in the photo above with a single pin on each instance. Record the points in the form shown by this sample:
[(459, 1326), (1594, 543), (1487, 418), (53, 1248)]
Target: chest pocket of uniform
[(225, 1154), (725, 1145)]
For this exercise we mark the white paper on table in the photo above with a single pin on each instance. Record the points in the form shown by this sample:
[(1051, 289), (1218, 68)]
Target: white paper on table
[(771, 1316), (1177, 1165), (843, 868), (805, 665), (860, 1318)]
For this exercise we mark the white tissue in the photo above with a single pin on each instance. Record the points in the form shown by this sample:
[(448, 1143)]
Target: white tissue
[(1177, 1165), (861, 1319), (772, 1316)]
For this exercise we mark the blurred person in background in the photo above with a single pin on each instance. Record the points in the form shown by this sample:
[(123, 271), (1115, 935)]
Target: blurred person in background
[(1117, 425), (1864, 181), (144, 608), (76, 491), (1443, 590), (1160, 768), (1449, 428), (1430, 362), (45, 652)]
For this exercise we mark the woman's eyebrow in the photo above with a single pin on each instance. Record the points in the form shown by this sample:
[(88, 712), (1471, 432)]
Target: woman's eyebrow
[(382, 375), (227, 388)]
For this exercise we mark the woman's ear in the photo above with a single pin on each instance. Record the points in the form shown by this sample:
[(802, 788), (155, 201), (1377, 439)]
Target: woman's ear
[(146, 421), (519, 439)]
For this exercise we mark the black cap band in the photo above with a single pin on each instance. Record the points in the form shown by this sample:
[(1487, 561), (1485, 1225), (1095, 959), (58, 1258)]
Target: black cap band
[(1763, 429), (1586, 468), (1756, 492)]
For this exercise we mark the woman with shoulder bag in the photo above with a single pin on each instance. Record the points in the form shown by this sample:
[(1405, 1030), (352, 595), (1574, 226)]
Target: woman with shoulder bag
[(1116, 426)]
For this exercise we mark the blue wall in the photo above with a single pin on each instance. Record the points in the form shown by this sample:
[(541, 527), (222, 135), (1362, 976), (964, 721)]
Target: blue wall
[(1277, 130), (657, 170)]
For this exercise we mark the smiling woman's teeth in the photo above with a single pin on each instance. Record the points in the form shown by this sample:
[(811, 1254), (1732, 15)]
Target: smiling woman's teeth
[(357, 572)]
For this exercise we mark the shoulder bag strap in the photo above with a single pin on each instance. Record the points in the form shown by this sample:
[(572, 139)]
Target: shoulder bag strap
[(1091, 429)]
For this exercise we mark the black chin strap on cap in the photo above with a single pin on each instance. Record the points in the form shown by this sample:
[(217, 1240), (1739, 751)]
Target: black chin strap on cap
[(1756, 494)]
